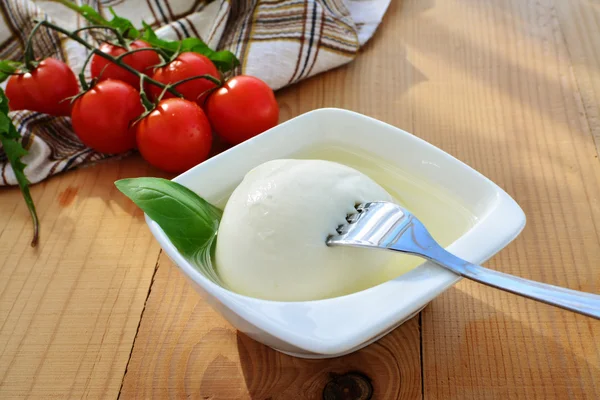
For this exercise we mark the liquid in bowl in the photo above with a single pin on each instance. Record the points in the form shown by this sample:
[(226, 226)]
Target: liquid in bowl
[(338, 326), (444, 215)]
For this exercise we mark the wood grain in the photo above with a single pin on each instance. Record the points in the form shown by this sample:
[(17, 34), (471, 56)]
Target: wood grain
[(69, 309), (510, 87), (501, 94), (493, 84), (185, 349), (580, 28)]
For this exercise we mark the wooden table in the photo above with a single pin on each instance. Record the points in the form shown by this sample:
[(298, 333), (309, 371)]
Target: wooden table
[(510, 87)]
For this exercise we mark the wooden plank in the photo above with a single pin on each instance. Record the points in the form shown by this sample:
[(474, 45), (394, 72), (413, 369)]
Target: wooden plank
[(580, 27), (184, 348), (507, 86), (500, 94), (69, 309), (490, 82)]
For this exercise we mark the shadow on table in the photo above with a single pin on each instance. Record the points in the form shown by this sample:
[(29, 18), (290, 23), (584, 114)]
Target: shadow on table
[(545, 63), (505, 346), (391, 366), (96, 181), (468, 346)]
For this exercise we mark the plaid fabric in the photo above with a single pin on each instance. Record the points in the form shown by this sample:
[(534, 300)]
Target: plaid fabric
[(280, 42)]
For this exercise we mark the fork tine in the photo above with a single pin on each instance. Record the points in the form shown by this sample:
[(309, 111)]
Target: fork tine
[(369, 225), (389, 226)]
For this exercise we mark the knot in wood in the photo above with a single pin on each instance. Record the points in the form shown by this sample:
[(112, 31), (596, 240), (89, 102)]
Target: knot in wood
[(349, 386)]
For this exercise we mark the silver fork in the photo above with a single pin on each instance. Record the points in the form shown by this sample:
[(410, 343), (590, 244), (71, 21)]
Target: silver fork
[(388, 226)]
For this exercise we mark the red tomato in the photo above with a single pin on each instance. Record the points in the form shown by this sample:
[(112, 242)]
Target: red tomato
[(175, 136), (46, 89), (242, 108), (102, 117), (142, 61), (184, 66)]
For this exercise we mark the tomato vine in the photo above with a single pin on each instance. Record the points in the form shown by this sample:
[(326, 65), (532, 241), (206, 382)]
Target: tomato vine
[(124, 33)]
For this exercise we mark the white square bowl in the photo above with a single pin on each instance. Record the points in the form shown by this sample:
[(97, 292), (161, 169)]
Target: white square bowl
[(337, 326)]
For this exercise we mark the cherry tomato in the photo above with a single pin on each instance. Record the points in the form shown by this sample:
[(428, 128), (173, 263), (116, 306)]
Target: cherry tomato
[(242, 108), (186, 65), (102, 117), (46, 89), (175, 136), (142, 61)]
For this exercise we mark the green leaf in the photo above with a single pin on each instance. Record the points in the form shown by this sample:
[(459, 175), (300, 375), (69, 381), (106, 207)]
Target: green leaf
[(147, 32), (189, 221), (89, 13), (9, 137), (7, 68), (194, 44), (224, 60), (123, 25)]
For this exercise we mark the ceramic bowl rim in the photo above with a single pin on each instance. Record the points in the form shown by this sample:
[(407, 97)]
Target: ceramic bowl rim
[(507, 214)]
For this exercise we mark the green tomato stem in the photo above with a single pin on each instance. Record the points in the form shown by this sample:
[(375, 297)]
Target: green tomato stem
[(34, 216), (116, 32), (211, 78), (148, 105), (158, 51), (84, 84), (29, 56), (191, 78), (108, 57)]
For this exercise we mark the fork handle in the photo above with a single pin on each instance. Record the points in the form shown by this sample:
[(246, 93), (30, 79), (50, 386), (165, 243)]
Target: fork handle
[(573, 300)]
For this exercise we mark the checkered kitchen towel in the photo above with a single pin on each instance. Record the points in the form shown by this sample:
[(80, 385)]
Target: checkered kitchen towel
[(279, 41)]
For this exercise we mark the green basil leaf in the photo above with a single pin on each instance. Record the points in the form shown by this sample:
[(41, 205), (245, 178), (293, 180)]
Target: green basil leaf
[(147, 32), (194, 44), (3, 103), (149, 36), (123, 25), (14, 150), (224, 60), (189, 221), (89, 13), (7, 68)]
